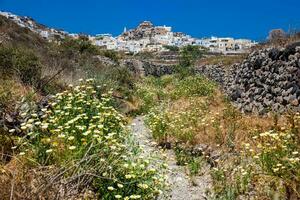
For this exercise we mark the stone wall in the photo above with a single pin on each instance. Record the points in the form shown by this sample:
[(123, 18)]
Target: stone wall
[(267, 80), (147, 68)]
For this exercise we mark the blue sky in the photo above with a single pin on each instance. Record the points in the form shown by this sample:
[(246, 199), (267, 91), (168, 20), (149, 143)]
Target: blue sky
[(237, 18)]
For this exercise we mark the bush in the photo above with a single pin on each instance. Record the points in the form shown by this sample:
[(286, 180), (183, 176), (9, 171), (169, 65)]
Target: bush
[(74, 47), (22, 63), (152, 90), (119, 79), (113, 55), (172, 48), (193, 86), (277, 155), (87, 136), (188, 56), (157, 121), (268, 166)]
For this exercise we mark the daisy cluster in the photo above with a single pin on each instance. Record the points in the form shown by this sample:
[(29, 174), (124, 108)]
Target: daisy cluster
[(80, 127)]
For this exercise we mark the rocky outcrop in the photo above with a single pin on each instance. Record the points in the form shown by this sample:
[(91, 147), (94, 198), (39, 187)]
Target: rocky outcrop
[(145, 30), (267, 80)]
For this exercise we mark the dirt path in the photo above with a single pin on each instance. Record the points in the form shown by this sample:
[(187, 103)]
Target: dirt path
[(182, 187)]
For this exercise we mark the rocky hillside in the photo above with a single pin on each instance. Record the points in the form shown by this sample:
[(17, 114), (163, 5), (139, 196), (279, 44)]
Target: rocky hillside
[(45, 32), (145, 30), (267, 80)]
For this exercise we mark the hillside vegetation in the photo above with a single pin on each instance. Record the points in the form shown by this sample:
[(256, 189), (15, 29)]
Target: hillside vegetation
[(65, 107)]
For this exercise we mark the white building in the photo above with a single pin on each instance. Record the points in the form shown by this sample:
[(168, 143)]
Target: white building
[(226, 44), (105, 40)]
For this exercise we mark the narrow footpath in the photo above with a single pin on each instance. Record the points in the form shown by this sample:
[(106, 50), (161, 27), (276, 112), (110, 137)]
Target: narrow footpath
[(181, 185)]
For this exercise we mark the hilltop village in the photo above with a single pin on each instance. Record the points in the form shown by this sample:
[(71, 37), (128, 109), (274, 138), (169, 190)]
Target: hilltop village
[(146, 37)]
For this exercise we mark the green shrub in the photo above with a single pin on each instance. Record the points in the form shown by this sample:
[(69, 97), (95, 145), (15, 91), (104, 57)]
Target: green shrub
[(71, 48), (157, 121), (193, 86), (277, 155), (230, 181), (113, 55), (87, 136), (188, 56), (117, 78), (184, 157), (22, 63), (151, 92), (28, 67), (172, 48)]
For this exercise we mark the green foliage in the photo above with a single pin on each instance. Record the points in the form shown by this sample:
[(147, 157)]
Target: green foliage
[(188, 56), (186, 122), (113, 55), (119, 79), (231, 181), (71, 47), (157, 93), (20, 62), (185, 158), (232, 116), (151, 91), (195, 166), (193, 86), (157, 121), (277, 155), (172, 48), (6, 61), (81, 132)]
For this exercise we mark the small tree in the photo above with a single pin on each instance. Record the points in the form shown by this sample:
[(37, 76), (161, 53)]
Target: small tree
[(188, 56)]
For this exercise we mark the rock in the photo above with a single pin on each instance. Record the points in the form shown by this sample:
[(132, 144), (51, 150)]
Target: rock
[(248, 108), (295, 102), (236, 94), (279, 99), (8, 118), (270, 77), (199, 149), (274, 54)]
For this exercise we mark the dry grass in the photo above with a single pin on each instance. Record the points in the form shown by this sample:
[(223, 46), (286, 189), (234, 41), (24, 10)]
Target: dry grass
[(12, 91), (19, 180), (225, 60), (220, 122)]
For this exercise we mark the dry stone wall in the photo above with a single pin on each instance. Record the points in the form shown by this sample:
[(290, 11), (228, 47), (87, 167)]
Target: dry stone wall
[(267, 80)]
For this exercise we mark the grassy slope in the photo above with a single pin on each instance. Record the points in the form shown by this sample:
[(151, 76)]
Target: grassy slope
[(244, 160)]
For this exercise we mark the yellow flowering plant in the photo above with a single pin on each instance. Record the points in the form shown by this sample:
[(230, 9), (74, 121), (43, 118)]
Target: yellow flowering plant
[(157, 121), (82, 133), (277, 154)]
